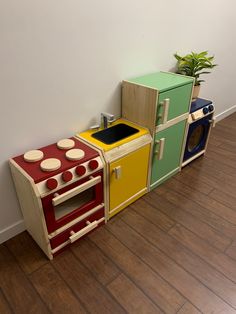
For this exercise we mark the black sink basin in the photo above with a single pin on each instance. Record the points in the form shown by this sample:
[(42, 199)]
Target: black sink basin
[(115, 133)]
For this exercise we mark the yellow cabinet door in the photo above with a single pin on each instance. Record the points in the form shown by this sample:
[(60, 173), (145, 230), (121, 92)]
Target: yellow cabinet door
[(128, 178)]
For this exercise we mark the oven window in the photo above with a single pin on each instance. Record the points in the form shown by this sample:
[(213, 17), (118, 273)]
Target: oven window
[(74, 203), (195, 138)]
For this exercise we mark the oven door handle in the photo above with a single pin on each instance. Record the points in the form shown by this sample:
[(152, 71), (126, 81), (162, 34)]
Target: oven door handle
[(73, 192), (76, 235)]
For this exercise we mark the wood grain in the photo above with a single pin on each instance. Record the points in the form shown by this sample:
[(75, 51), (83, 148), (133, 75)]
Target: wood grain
[(4, 306), (223, 198), (231, 250), (207, 202), (83, 284), (218, 260), (131, 297), (156, 216), (156, 288), (54, 292), (221, 225), (167, 268), (194, 265), (188, 308), (89, 254), (200, 228), (17, 287), (26, 252)]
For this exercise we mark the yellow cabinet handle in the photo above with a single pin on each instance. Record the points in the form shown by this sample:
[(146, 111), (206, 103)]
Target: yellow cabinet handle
[(160, 151), (117, 171)]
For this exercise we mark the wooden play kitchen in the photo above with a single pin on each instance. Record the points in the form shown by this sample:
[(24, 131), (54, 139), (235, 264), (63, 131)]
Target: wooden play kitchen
[(127, 163), (70, 188), (160, 102)]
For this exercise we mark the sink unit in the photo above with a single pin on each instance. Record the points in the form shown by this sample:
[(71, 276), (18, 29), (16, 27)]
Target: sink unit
[(127, 162), (115, 133), (160, 101)]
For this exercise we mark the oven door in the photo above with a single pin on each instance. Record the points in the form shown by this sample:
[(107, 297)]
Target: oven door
[(197, 137), (72, 201)]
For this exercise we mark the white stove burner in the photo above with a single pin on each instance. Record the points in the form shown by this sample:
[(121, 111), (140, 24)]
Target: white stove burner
[(66, 143), (33, 155), (50, 164), (75, 154)]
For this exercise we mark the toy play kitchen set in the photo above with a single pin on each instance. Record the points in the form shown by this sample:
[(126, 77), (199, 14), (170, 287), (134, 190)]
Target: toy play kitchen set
[(200, 122), (60, 189), (126, 150), (71, 187)]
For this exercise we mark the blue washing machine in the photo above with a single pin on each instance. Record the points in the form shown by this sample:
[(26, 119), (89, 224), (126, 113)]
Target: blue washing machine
[(200, 122)]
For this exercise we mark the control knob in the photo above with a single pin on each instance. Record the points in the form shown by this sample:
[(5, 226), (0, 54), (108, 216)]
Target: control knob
[(93, 164), (80, 170), (205, 110), (211, 108), (67, 176), (51, 183)]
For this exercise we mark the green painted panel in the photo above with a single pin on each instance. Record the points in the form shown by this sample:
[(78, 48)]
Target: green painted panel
[(162, 81), (179, 102), (172, 151)]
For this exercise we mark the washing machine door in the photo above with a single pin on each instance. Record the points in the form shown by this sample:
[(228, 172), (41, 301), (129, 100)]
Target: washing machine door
[(197, 137)]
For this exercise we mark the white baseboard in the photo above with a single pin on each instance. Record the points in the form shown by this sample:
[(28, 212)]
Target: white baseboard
[(11, 231), (225, 113)]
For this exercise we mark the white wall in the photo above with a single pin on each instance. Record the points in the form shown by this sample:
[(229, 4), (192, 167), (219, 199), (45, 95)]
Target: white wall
[(61, 64)]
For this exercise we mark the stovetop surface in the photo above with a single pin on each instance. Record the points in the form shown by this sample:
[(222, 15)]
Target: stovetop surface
[(199, 103), (52, 151)]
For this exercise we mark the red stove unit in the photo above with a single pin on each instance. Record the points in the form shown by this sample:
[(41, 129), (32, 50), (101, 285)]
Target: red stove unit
[(60, 189)]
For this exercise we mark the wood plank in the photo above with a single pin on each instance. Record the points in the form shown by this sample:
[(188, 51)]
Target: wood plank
[(196, 184), (54, 291), (229, 146), (156, 288), (205, 163), (210, 168), (90, 256), (231, 250), (188, 308), (146, 209), (194, 265), (223, 198), (223, 156), (212, 256), (207, 202), (215, 177), (4, 306), (17, 288), (27, 253), (201, 213), (184, 217), (86, 288), (182, 280), (211, 178), (131, 297)]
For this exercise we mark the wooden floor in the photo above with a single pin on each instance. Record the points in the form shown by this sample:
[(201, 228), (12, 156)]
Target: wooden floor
[(172, 251)]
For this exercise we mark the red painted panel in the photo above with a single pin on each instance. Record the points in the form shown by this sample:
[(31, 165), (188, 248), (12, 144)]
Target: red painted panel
[(64, 236), (49, 210), (52, 151)]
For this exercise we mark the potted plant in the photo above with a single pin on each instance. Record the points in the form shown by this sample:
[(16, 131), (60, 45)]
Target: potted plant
[(193, 64)]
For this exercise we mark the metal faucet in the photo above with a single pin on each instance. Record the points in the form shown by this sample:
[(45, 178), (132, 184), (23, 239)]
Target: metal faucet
[(106, 118)]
